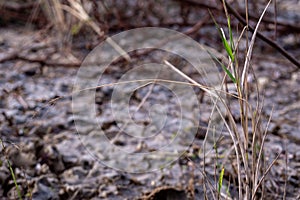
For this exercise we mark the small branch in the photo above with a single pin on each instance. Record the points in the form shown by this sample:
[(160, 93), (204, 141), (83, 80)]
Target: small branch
[(15, 55), (48, 62), (197, 26), (265, 174), (264, 38), (241, 19)]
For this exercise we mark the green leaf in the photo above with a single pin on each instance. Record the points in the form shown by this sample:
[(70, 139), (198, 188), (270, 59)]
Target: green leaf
[(220, 180), (223, 66), (226, 45), (228, 48)]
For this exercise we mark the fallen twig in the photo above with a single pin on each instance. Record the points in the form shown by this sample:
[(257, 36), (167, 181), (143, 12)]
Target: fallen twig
[(15, 56)]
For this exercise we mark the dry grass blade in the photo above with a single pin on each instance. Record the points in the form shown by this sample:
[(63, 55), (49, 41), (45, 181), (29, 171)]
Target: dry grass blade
[(77, 10), (264, 175), (236, 143), (249, 52), (59, 15), (189, 79), (148, 82), (118, 49), (54, 12), (234, 134), (207, 179), (256, 185), (137, 108)]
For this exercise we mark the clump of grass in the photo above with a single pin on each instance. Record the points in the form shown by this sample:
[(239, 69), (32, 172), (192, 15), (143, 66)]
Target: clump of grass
[(248, 151), (58, 13), (247, 136)]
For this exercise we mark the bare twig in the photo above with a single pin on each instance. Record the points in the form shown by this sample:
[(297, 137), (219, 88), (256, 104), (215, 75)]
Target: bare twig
[(275, 20), (260, 156), (238, 16), (197, 26), (264, 38), (77, 10), (189, 79), (264, 175)]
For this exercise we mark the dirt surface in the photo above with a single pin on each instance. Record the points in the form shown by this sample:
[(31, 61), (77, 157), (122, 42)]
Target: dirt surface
[(53, 159)]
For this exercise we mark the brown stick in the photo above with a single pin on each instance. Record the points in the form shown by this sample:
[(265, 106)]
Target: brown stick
[(264, 38), (273, 44), (280, 23)]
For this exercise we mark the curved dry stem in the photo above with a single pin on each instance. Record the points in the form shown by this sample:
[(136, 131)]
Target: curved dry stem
[(249, 52), (256, 185)]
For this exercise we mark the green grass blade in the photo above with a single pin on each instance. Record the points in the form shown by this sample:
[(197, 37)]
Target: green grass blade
[(14, 179), (220, 180), (223, 66), (224, 41), (226, 45)]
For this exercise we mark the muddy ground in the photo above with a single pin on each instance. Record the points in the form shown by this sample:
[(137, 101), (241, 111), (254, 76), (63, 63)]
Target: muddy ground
[(54, 159)]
